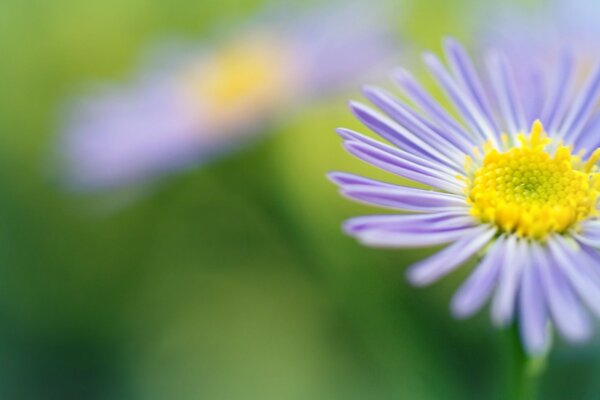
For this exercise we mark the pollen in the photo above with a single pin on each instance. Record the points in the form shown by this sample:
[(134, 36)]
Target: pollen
[(535, 188)]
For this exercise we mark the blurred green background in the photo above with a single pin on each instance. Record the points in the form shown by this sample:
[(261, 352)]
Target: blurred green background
[(231, 281)]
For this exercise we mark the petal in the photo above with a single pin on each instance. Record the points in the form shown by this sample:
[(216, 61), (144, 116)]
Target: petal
[(533, 316), (447, 143), (389, 239), (411, 223), (397, 197), (395, 133), (463, 103), (345, 179), (464, 71), (473, 293), (582, 107), (416, 94), (503, 303), (570, 319), (502, 79), (445, 261), (575, 265), (355, 137), (558, 98), (592, 263), (405, 168)]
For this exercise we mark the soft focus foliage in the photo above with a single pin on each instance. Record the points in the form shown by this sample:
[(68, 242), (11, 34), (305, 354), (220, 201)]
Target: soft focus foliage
[(230, 281)]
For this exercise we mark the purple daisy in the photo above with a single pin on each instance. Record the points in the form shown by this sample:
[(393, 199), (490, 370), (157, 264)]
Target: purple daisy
[(520, 29), (494, 184), (197, 102)]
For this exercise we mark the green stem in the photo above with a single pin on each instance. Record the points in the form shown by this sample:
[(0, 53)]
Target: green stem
[(525, 371)]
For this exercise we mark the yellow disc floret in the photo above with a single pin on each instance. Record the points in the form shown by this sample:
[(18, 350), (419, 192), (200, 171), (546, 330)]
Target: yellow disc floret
[(533, 191)]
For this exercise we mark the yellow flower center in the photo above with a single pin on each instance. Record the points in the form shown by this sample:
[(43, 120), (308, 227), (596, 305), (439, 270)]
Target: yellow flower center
[(252, 75), (531, 191)]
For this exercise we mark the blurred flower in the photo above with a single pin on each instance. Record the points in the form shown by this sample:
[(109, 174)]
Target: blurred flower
[(524, 200), (188, 107), (537, 32)]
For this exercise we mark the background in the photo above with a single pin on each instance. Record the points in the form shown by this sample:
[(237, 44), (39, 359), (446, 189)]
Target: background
[(227, 281)]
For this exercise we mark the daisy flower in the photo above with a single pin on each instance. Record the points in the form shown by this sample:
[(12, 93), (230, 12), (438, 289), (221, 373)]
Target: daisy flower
[(543, 28), (202, 100), (507, 178)]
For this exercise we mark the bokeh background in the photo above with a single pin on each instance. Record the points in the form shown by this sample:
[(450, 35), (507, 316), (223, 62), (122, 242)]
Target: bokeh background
[(231, 280)]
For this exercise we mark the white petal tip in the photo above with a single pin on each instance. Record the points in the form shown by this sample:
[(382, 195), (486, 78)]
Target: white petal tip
[(417, 278), (461, 310)]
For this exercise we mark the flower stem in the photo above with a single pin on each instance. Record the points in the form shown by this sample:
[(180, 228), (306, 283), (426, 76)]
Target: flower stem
[(525, 371)]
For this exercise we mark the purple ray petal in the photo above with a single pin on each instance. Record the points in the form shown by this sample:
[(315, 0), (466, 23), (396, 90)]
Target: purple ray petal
[(404, 168), (533, 315), (535, 86), (591, 261), (589, 140), (451, 145), (558, 98), (503, 303), (504, 86), (463, 103), (348, 179), (473, 293), (575, 267), (411, 223), (395, 133), (430, 106), (464, 71), (582, 107), (445, 261), (570, 319), (387, 239), (397, 197), (352, 136)]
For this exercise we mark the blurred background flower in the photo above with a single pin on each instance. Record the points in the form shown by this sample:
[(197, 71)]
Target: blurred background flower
[(230, 281), (191, 102)]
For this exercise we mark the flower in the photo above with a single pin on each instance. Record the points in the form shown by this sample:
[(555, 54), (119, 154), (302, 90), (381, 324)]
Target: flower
[(497, 184), (543, 28), (194, 104)]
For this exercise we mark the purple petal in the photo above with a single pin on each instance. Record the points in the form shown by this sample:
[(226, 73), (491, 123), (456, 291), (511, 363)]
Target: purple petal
[(467, 76), (503, 303), (533, 315), (388, 239), (397, 197), (430, 106), (570, 319), (464, 105), (575, 265), (589, 234), (352, 136), (122, 137), (445, 142), (395, 133), (411, 223), (346, 179), (407, 199), (404, 168), (592, 261), (535, 86), (582, 107), (504, 86), (445, 261), (558, 98), (589, 140), (473, 293)]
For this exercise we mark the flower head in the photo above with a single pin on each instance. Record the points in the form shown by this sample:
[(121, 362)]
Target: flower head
[(508, 175), (522, 29), (198, 102)]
